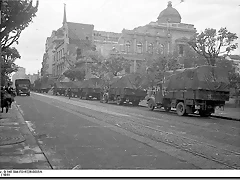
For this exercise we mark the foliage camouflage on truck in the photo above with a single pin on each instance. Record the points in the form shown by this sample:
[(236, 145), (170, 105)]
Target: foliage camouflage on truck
[(132, 81), (202, 77)]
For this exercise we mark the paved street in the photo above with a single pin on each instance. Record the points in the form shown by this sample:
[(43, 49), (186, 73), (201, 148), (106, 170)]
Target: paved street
[(88, 134)]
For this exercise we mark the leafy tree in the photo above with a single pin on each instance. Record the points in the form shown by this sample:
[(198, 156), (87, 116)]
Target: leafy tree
[(116, 63), (191, 58), (95, 62), (8, 66), (75, 73), (158, 65), (113, 64), (210, 43), (16, 16), (37, 83), (231, 68)]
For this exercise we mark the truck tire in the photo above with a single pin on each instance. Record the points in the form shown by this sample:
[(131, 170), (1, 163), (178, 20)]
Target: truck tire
[(150, 105), (181, 110), (104, 98), (167, 108), (135, 102), (203, 113), (119, 100)]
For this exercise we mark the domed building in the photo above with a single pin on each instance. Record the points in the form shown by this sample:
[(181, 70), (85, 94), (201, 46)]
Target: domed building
[(169, 15), (161, 38)]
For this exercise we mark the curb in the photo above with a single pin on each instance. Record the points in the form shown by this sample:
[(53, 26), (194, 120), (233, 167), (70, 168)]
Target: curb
[(216, 116), (227, 118), (27, 133)]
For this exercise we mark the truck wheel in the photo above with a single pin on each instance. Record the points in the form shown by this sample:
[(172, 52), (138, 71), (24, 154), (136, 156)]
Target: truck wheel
[(203, 113), (167, 108), (135, 102), (181, 111), (105, 99), (150, 106), (119, 100)]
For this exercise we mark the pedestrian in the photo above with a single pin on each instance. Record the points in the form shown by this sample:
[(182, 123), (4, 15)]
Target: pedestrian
[(69, 93), (10, 95)]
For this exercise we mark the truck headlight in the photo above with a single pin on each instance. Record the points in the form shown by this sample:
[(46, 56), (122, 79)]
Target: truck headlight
[(197, 106)]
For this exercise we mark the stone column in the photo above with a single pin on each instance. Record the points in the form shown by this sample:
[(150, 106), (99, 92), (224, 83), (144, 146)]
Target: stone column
[(134, 43), (146, 45), (135, 66)]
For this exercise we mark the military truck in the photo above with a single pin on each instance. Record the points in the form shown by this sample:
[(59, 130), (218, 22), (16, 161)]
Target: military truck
[(60, 88), (22, 86), (191, 90), (91, 88), (126, 89)]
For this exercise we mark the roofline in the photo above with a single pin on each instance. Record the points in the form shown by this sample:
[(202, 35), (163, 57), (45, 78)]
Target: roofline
[(80, 23)]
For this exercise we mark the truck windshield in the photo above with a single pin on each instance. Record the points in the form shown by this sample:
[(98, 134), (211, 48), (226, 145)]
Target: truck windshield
[(23, 85)]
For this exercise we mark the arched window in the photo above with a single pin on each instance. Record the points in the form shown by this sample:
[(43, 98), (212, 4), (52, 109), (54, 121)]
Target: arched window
[(139, 47), (180, 49), (150, 48), (128, 46)]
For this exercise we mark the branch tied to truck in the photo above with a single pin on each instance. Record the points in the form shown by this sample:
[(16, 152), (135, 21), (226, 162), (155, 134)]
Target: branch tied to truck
[(191, 90)]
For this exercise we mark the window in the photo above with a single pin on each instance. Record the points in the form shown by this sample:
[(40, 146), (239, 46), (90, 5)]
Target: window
[(161, 49), (128, 46), (180, 49), (150, 48), (139, 47)]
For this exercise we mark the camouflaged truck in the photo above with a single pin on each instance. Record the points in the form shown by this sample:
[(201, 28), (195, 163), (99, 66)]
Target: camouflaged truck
[(126, 89), (192, 90)]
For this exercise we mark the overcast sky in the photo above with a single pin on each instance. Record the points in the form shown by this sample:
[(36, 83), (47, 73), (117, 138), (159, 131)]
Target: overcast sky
[(114, 15)]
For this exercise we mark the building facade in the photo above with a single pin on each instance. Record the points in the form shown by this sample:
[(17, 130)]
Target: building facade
[(236, 61), (32, 77), (160, 38)]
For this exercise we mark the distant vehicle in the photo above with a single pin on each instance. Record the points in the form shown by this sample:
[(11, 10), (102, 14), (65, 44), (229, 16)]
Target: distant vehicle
[(22, 86)]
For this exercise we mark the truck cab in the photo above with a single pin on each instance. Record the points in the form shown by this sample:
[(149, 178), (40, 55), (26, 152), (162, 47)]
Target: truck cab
[(22, 86)]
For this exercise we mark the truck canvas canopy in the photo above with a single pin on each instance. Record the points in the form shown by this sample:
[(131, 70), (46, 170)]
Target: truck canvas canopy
[(132, 81), (202, 77)]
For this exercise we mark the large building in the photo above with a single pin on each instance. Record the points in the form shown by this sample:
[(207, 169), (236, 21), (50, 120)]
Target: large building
[(163, 37)]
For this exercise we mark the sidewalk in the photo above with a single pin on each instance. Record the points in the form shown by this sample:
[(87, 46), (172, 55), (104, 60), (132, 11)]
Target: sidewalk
[(227, 113), (18, 147)]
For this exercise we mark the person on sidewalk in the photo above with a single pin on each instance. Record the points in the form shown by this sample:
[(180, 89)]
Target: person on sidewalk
[(4, 99), (10, 91), (69, 92)]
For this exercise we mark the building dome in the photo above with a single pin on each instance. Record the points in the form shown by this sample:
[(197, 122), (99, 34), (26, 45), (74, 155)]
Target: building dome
[(169, 14)]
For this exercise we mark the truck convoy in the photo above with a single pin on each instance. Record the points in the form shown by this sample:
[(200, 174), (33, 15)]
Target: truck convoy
[(23, 86), (191, 90), (126, 89)]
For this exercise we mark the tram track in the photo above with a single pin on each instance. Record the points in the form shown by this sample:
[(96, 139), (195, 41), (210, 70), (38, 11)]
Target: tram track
[(132, 124)]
